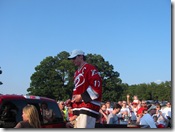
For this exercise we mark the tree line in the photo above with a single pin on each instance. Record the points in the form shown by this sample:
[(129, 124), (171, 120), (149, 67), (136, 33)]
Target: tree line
[(53, 78)]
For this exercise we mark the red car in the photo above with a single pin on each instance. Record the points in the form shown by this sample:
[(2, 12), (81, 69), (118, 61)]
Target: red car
[(15, 103)]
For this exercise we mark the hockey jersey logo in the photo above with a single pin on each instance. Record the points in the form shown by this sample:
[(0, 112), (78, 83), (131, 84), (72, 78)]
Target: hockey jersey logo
[(79, 80)]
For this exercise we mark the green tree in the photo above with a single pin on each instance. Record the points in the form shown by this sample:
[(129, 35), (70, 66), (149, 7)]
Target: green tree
[(54, 77), (150, 91)]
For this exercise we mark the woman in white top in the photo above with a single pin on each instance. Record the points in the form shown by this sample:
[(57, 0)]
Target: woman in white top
[(167, 109)]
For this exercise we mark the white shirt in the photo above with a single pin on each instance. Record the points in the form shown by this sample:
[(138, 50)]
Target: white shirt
[(109, 109), (148, 120), (167, 111)]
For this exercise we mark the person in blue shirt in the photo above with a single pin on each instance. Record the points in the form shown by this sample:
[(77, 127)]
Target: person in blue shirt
[(112, 117)]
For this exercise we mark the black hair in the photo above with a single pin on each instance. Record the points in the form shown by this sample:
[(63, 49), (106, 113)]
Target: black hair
[(116, 106), (44, 103)]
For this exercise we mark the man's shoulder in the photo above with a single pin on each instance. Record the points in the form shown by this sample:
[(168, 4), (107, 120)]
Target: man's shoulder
[(90, 66), (147, 116)]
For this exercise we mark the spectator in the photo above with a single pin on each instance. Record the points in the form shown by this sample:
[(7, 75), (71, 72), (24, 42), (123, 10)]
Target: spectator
[(104, 114), (30, 118), (139, 116), (141, 111), (71, 118), (135, 99), (87, 93), (108, 107), (143, 108), (47, 113), (61, 105), (124, 114), (155, 119), (112, 118), (8, 113), (119, 102), (147, 120), (133, 109), (134, 106), (167, 110), (161, 118)]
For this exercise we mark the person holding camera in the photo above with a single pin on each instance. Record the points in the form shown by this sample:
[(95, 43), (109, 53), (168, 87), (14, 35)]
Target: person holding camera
[(161, 118)]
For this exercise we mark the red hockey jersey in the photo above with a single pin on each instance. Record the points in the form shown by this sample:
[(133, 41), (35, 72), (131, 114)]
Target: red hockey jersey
[(88, 83)]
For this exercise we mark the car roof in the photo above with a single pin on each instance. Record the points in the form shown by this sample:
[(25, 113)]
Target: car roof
[(23, 97)]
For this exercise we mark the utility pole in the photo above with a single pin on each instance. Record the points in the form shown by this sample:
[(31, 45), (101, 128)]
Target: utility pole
[(0, 73)]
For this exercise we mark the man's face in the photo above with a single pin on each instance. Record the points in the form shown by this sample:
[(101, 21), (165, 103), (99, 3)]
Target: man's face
[(153, 111), (108, 104), (168, 104), (77, 60), (118, 110), (44, 106), (144, 104), (61, 105)]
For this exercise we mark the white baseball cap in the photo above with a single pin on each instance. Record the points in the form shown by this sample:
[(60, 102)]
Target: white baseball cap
[(75, 52), (152, 108)]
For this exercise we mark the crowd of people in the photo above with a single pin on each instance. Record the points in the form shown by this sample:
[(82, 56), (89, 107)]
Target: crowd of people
[(138, 112)]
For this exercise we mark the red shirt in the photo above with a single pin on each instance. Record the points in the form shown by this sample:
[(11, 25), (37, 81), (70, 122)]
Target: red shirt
[(141, 109)]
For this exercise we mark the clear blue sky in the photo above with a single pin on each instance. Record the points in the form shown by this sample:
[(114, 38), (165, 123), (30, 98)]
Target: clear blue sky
[(133, 35)]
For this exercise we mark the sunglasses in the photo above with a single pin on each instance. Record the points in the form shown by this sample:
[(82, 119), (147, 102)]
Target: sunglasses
[(74, 58)]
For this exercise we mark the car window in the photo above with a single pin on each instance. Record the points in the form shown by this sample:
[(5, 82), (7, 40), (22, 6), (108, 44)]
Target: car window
[(50, 112), (16, 106), (8, 114), (52, 115)]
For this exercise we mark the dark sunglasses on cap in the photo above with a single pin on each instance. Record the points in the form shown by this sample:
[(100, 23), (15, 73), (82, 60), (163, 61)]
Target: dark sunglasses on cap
[(74, 58)]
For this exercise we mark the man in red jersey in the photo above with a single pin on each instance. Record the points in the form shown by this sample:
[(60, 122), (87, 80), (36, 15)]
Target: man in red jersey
[(87, 93)]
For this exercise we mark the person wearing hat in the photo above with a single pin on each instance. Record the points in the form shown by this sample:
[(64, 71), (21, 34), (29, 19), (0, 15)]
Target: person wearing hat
[(147, 120), (63, 109), (87, 93)]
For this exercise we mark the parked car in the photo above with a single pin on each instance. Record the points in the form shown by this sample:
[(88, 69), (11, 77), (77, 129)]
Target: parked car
[(15, 103)]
